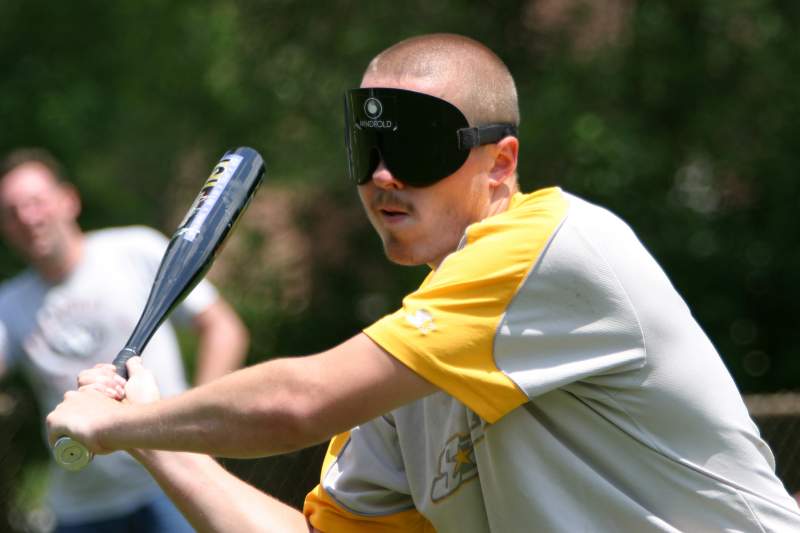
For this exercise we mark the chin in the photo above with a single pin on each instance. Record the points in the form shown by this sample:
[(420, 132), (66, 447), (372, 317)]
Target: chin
[(400, 259), (401, 255)]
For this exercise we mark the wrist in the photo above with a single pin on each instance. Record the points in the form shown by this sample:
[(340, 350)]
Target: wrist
[(153, 460), (144, 456), (114, 432)]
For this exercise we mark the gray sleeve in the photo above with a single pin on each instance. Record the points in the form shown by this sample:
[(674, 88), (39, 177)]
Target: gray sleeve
[(571, 320), (368, 477)]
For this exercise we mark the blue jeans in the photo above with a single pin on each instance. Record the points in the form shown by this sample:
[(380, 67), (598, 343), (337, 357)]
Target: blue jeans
[(157, 516)]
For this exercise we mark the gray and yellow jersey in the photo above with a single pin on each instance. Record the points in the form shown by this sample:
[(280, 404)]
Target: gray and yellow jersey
[(578, 393)]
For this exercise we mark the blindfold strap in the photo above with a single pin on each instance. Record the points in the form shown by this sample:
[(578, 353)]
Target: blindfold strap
[(480, 135)]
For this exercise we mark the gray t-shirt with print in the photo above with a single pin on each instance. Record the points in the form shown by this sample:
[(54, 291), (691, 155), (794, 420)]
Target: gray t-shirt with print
[(53, 331)]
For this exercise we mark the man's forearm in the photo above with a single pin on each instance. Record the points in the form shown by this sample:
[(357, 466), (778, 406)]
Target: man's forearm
[(274, 407), (213, 499), (254, 412)]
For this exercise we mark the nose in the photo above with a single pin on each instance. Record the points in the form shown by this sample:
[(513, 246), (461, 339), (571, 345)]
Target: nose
[(382, 177)]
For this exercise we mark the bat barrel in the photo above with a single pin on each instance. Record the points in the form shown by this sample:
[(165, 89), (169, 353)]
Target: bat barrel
[(190, 253), (199, 238)]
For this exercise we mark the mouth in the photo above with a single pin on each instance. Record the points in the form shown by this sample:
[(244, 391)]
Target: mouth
[(390, 207), (392, 211), (392, 214)]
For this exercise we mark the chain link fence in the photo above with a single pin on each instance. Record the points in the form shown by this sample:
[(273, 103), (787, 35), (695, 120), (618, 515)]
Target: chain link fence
[(289, 477), (778, 418)]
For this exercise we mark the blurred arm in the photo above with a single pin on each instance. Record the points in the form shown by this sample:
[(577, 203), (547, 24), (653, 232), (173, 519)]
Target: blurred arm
[(213, 499), (222, 342), (3, 350), (5, 399)]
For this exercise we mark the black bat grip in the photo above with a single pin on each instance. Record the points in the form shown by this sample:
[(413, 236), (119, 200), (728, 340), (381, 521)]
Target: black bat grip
[(122, 358)]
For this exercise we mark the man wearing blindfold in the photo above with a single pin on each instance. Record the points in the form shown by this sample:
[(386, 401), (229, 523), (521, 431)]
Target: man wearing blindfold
[(544, 377)]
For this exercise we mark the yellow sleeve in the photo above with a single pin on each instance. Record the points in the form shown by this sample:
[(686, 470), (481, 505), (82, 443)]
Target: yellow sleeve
[(327, 516), (445, 330)]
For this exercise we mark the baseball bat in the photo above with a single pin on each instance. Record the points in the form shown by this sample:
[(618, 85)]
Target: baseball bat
[(190, 253)]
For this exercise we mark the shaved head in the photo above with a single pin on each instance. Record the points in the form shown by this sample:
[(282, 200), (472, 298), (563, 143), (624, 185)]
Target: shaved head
[(455, 68)]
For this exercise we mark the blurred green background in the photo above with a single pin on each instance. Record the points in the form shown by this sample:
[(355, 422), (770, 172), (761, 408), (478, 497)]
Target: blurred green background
[(681, 116)]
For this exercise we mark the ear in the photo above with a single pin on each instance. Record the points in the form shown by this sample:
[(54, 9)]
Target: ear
[(504, 164), (72, 200)]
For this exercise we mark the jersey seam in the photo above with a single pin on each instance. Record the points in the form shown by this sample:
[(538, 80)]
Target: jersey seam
[(752, 512), (516, 294), (595, 249)]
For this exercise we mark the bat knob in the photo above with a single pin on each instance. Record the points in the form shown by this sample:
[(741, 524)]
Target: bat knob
[(71, 454)]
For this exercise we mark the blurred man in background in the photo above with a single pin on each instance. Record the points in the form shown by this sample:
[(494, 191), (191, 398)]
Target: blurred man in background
[(75, 306)]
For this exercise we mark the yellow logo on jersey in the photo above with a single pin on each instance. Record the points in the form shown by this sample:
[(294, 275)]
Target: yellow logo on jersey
[(422, 320), (456, 465)]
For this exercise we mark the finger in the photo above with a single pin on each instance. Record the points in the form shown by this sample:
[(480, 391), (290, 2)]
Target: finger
[(70, 394), (76, 394), (134, 365), (115, 392), (87, 377), (53, 431), (142, 386), (105, 370), (105, 375), (91, 379)]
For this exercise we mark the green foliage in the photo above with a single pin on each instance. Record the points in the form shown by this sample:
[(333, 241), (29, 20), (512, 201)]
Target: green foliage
[(683, 122)]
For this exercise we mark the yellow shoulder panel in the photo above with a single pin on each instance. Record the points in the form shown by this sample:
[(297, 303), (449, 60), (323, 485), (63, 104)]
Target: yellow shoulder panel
[(445, 330)]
